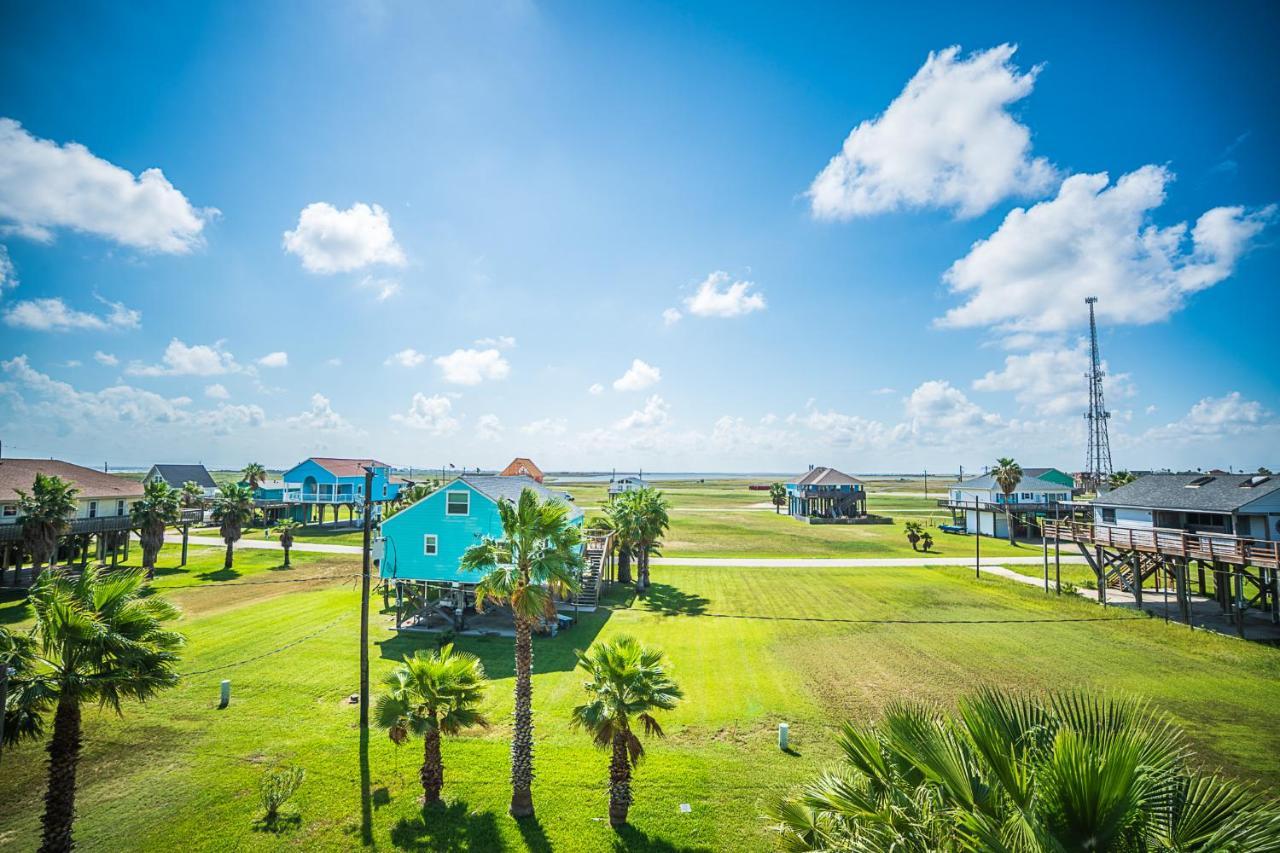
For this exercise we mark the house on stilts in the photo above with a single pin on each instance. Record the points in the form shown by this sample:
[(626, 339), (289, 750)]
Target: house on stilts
[(317, 484), (825, 494)]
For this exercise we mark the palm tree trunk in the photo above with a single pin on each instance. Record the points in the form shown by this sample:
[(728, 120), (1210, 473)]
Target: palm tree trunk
[(1008, 522), (60, 798), (432, 767), (286, 558), (227, 563), (522, 736), (619, 781), (643, 558), (624, 564)]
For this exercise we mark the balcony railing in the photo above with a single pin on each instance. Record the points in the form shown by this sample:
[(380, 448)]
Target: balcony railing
[(298, 496), (1176, 543)]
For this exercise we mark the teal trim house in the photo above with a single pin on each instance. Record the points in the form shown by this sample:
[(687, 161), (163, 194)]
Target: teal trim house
[(825, 493), (323, 481)]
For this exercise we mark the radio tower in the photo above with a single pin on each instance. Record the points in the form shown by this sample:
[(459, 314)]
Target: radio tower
[(1098, 462)]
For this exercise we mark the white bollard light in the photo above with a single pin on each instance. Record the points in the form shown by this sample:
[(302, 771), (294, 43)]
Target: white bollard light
[(225, 698), (784, 732)]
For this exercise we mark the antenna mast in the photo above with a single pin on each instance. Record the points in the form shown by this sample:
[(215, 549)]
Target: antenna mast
[(1098, 458)]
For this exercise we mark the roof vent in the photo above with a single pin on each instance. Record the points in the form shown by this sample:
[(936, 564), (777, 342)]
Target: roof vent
[(1254, 481), (1199, 481)]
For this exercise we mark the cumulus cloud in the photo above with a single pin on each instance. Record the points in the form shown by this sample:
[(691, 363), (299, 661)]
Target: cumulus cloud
[(488, 428), (275, 359), (329, 240), (671, 316), (54, 315), (947, 141), (1051, 381), (432, 415), (655, 413), (546, 426), (320, 417), (717, 297), (936, 404), (196, 360), (105, 358), (216, 391), (8, 273), (45, 186), (639, 376), (1217, 418), (408, 357), (471, 367), (1092, 239)]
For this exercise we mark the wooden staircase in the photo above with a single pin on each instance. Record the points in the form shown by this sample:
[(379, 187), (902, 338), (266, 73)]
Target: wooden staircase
[(588, 596)]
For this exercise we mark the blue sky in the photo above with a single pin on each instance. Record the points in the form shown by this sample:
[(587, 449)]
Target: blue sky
[(727, 238)]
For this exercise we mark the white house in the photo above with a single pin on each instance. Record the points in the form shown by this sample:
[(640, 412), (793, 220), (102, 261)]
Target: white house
[(618, 485), (983, 503), (1246, 505), (179, 475), (99, 495)]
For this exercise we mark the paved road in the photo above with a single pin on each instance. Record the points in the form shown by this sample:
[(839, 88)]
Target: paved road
[(274, 545)]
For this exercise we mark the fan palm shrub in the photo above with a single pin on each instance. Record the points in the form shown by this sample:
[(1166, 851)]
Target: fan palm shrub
[(286, 530), (650, 510), (46, 514), (99, 640), (192, 494), (254, 475), (1068, 772), (538, 557), (150, 516), (430, 694), (1007, 474), (621, 519), (1121, 478), (912, 529), (778, 495), (627, 683), (232, 509)]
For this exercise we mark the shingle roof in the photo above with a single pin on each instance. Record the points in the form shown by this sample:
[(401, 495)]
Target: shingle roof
[(21, 473), (1026, 484), (177, 475), (1221, 492), (822, 476), (346, 467), (1040, 472), (509, 488), (522, 465)]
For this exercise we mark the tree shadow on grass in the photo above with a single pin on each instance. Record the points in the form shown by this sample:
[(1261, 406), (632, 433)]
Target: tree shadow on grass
[(448, 827), (670, 601), (535, 837), (278, 825), (219, 575), (628, 838)]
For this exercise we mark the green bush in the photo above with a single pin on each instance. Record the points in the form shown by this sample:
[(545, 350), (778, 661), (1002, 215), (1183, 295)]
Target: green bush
[(278, 786)]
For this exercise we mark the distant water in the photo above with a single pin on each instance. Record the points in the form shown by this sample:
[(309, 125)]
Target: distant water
[(763, 476)]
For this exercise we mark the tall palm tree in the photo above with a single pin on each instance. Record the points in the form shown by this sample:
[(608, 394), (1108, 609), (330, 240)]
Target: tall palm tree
[(285, 530), (192, 494), (100, 640), (254, 475), (1121, 478), (621, 518), (652, 523), (430, 694), (538, 557), (46, 514), (25, 699), (1007, 474), (232, 509), (150, 516), (628, 682), (1013, 773), (778, 495)]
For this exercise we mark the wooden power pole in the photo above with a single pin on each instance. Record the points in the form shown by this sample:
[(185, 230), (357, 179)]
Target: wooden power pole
[(366, 558)]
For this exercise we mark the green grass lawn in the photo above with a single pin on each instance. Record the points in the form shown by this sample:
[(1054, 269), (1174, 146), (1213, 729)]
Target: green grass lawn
[(751, 648)]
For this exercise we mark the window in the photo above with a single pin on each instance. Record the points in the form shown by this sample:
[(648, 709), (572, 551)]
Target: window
[(1198, 482), (384, 490), (93, 509), (119, 507), (9, 511), (1026, 496), (1244, 526), (1205, 519), (1108, 515), (430, 545), (457, 503)]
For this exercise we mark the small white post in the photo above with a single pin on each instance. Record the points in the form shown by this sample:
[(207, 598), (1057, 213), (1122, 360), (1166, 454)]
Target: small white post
[(784, 731), (225, 698)]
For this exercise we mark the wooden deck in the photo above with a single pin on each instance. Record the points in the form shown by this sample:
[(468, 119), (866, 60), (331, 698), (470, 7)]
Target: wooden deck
[(1210, 547)]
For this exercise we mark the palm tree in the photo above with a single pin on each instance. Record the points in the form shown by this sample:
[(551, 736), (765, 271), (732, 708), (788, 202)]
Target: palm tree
[(621, 518), (192, 494), (628, 682), (778, 494), (430, 694), (1121, 478), (926, 541), (100, 640), (539, 556), (1072, 771), (232, 509), (651, 522), (46, 514), (253, 475), (25, 699), (1007, 474), (912, 529), (285, 530), (150, 516)]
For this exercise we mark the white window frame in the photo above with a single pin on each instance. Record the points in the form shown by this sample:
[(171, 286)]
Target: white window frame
[(430, 544), (9, 511), (448, 507), (93, 509)]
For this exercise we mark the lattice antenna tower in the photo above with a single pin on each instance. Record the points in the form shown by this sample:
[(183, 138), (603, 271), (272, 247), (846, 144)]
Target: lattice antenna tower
[(1098, 456)]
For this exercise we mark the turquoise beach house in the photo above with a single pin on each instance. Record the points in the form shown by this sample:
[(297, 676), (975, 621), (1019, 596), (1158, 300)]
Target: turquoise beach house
[(324, 481)]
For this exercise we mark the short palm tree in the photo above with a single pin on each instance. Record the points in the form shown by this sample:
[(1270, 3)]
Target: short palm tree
[(912, 529), (430, 694), (100, 640), (778, 495), (926, 541), (150, 516), (232, 509), (538, 557), (621, 518), (627, 683), (285, 530), (1014, 773), (192, 494), (253, 475), (1007, 474), (651, 524), (46, 514), (1121, 478)]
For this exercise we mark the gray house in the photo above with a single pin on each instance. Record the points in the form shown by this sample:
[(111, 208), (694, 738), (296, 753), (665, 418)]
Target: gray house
[(1246, 505), (177, 475)]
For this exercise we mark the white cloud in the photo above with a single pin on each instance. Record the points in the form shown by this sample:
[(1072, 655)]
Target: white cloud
[(947, 141), (334, 362), (1033, 273), (488, 428), (655, 413), (45, 186), (1216, 418), (935, 405), (329, 240), (671, 316), (275, 359), (196, 360), (320, 417), (499, 342), (105, 358), (429, 414), (409, 357), (639, 376), (471, 367), (385, 287), (8, 273), (596, 388), (847, 431), (216, 391), (74, 362), (885, 391), (1051, 381), (546, 426), (54, 315), (716, 297)]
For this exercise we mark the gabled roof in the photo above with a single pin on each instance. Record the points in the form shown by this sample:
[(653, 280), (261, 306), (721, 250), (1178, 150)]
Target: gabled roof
[(503, 487), (823, 476), (1026, 484), (177, 475), (522, 466), (1037, 473), (1214, 492), (339, 467), (21, 474)]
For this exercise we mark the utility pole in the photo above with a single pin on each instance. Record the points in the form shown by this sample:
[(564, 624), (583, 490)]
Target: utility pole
[(926, 483), (366, 559), (977, 537)]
